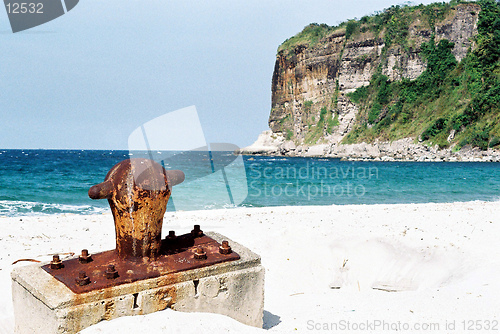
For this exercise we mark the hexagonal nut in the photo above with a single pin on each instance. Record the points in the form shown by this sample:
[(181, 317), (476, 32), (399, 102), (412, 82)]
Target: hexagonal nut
[(82, 279), (225, 248), (200, 254), (111, 272)]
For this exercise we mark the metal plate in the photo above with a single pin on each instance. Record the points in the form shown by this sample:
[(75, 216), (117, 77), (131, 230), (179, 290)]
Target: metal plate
[(177, 255)]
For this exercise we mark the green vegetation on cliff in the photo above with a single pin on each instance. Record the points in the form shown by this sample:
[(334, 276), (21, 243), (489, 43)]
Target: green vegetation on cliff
[(393, 23), (449, 99), (309, 36)]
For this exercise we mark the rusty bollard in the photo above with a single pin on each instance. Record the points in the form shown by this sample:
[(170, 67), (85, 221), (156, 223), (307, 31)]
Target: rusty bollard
[(137, 191)]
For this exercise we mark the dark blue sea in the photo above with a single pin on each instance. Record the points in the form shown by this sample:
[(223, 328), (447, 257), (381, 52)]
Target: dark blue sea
[(46, 182)]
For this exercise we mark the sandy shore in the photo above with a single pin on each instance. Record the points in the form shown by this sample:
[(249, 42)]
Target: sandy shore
[(326, 267)]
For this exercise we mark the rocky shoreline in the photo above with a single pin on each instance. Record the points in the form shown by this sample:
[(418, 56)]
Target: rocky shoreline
[(274, 144)]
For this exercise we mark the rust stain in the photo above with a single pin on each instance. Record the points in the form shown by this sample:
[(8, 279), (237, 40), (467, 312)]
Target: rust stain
[(109, 310), (29, 260), (164, 298)]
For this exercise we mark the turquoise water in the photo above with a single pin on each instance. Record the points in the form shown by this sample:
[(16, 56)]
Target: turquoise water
[(325, 181), (40, 182)]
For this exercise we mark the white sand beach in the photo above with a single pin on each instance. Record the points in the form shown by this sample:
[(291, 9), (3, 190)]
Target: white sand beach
[(328, 268)]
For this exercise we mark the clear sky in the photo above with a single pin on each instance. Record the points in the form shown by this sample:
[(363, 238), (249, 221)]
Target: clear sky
[(87, 79)]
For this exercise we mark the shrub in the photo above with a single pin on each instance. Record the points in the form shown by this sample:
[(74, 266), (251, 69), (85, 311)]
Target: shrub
[(479, 136), (384, 91), (495, 141), (433, 130), (351, 28), (440, 62), (374, 113), (463, 142), (307, 106), (359, 94), (460, 121), (480, 139), (332, 122), (309, 36), (322, 114), (396, 27)]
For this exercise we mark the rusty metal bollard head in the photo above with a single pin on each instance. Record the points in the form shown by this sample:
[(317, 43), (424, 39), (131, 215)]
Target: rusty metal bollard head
[(137, 191)]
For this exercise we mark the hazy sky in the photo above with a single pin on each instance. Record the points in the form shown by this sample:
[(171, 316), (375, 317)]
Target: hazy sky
[(87, 79)]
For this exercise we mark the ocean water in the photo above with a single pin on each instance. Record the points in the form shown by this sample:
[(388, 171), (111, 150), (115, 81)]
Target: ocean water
[(45, 182)]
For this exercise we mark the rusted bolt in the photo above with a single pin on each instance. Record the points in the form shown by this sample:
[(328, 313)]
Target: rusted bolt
[(171, 235), (200, 254), (196, 232), (111, 272), (85, 257), (56, 262), (225, 248), (82, 279)]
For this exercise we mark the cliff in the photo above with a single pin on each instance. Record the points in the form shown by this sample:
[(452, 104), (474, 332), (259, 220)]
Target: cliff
[(327, 81), (309, 78)]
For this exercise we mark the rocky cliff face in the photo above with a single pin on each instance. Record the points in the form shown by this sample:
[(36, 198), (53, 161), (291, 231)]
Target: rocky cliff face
[(310, 81)]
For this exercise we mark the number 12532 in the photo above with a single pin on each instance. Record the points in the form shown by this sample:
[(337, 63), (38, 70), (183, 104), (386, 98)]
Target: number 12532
[(25, 7)]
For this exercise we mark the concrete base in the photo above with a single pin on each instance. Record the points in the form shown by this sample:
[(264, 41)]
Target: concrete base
[(42, 304)]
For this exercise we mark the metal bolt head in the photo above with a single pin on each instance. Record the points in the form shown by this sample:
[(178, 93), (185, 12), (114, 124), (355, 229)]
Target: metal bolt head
[(171, 235), (85, 257), (225, 248), (82, 279), (111, 272), (56, 262), (200, 254), (196, 232)]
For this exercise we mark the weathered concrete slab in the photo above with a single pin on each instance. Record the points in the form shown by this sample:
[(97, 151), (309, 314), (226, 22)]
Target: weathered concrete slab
[(42, 304)]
